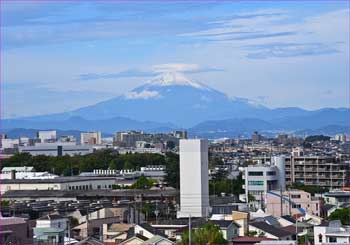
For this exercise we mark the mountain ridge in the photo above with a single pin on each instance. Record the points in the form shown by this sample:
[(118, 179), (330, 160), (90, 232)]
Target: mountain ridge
[(172, 101)]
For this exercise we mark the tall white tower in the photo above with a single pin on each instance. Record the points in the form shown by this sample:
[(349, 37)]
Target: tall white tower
[(194, 184)]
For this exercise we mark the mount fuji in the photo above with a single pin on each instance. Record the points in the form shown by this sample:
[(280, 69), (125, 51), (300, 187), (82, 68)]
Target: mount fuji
[(171, 100)]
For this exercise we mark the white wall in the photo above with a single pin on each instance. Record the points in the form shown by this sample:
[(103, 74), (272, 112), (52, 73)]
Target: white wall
[(194, 185)]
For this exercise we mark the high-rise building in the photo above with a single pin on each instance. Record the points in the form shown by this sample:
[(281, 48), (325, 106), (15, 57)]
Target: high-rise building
[(90, 138), (194, 184)]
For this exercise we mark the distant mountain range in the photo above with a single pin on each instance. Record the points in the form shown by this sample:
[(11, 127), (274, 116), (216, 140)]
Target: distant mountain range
[(172, 101)]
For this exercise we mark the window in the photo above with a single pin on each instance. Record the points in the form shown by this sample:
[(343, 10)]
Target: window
[(295, 196), (254, 173), (296, 206), (332, 239), (256, 182), (271, 173), (256, 192), (320, 238)]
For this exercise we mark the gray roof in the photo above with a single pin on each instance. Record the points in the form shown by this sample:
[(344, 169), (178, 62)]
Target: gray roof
[(88, 193), (327, 207), (225, 223), (151, 229), (18, 169), (51, 217), (90, 240), (271, 229), (156, 238)]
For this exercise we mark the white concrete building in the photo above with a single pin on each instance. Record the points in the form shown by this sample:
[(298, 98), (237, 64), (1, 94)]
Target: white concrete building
[(61, 183), (9, 143), (57, 149), (24, 173), (90, 138), (47, 135), (333, 233), (194, 184), (262, 178)]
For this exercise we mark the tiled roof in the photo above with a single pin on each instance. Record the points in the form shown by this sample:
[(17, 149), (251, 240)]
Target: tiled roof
[(271, 229)]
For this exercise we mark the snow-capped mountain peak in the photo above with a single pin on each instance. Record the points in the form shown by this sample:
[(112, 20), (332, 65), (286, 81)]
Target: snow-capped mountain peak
[(174, 79)]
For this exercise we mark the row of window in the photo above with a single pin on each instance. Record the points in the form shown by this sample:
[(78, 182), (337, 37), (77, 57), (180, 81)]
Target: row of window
[(86, 187), (256, 182), (260, 173)]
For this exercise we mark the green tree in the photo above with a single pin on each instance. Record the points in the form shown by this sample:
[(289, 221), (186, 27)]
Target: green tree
[(5, 203), (342, 214), (127, 165), (172, 176), (221, 184), (251, 198), (143, 183), (209, 234)]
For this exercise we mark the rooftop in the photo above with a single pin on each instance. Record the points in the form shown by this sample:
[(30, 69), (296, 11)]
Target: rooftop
[(55, 180), (87, 193), (11, 221), (271, 229)]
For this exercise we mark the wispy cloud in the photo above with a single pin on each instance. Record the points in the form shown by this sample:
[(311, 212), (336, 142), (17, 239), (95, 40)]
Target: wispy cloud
[(281, 50), (152, 71), (274, 33)]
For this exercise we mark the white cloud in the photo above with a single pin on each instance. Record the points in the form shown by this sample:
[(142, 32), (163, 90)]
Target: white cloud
[(145, 94), (175, 67)]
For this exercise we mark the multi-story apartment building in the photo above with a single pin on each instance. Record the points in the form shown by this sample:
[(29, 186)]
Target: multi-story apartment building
[(324, 171)]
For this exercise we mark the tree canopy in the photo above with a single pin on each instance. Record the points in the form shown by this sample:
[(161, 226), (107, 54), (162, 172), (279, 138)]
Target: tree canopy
[(143, 183), (209, 234), (67, 165), (342, 214)]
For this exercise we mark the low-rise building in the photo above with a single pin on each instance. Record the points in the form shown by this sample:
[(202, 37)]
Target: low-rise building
[(333, 233), (294, 202), (51, 229), (56, 149), (60, 183), (228, 228), (261, 228), (15, 230)]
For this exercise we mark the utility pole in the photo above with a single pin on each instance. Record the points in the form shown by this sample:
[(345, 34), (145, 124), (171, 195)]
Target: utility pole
[(290, 203), (189, 230), (281, 201)]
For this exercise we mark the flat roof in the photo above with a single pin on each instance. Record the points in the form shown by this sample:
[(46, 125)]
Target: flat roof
[(55, 180)]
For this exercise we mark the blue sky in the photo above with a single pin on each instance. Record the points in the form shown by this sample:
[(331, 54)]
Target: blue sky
[(61, 56)]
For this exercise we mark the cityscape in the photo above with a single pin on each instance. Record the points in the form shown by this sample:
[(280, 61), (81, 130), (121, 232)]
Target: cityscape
[(175, 122)]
